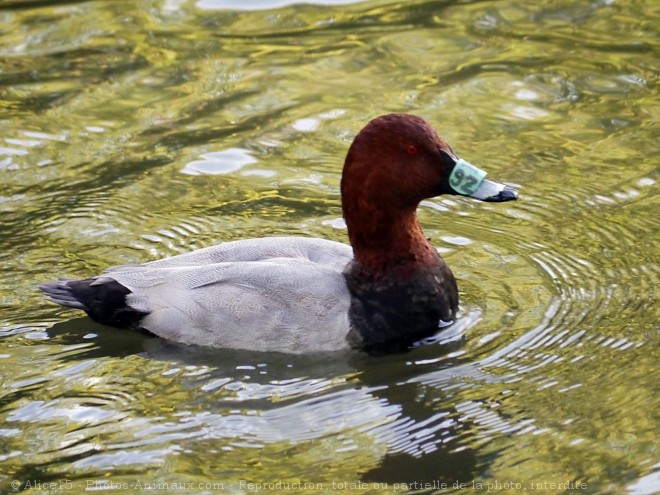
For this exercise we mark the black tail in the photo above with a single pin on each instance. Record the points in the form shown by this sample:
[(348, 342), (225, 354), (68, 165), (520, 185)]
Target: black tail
[(104, 300), (59, 292)]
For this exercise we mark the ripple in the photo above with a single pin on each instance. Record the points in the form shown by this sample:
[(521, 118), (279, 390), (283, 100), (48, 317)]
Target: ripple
[(263, 4), (220, 162), (194, 232), (100, 462), (39, 411), (415, 438)]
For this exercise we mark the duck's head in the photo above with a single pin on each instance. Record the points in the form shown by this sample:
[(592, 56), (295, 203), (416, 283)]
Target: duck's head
[(397, 160)]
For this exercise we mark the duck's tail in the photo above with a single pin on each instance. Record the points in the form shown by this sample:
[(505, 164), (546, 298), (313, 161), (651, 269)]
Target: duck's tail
[(102, 298), (61, 292)]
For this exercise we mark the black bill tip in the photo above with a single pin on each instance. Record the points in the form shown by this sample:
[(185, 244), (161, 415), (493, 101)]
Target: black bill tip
[(506, 194)]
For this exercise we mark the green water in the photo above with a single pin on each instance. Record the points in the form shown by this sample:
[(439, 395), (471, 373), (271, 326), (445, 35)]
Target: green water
[(131, 131)]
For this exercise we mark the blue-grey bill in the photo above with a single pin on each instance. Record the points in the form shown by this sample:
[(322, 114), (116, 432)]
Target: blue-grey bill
[(494, 191)]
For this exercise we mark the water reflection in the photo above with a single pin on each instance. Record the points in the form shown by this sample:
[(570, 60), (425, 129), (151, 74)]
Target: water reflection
[(242, 401), (263, 4), (220, 162)]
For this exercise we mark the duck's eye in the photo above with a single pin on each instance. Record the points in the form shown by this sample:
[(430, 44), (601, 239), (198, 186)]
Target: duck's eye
[(411, 149)]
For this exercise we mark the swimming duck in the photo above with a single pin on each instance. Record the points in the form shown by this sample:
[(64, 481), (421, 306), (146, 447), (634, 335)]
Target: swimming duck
[(302, 295)]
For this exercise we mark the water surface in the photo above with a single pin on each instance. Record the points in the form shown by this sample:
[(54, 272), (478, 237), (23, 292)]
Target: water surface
[(131, 131)]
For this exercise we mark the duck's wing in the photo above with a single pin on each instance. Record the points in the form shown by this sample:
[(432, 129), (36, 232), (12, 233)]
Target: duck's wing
[(321, 251), (279, 293), (281, 304)]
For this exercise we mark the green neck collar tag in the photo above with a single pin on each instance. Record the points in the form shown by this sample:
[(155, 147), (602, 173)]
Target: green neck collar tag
[(466, 178)]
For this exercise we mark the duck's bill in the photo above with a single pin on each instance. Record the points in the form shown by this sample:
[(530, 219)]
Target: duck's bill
[(494, 191), (467, 180)]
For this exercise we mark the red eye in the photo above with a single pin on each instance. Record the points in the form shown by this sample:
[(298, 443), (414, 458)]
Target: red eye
[(411, 149)]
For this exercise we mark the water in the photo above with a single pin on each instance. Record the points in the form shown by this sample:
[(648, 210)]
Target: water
[(131, 131)]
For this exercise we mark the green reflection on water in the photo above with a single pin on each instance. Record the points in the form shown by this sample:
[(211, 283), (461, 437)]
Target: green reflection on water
[(103, 105)]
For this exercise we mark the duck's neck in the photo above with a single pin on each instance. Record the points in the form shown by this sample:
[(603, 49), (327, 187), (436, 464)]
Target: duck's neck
[(389, 241)]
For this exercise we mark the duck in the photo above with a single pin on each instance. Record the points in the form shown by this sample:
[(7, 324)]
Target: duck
[(382, 293)]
